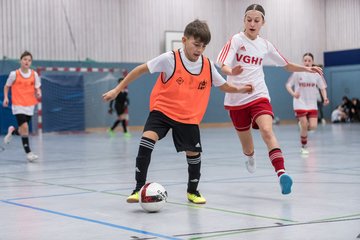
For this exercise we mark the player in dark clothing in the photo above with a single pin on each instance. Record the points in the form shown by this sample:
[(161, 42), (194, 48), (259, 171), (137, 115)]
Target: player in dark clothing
[(121, 108)]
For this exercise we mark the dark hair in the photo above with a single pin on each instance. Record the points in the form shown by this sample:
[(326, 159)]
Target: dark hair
[(309, 54), (26, 53), (256, 7), (199, 30)]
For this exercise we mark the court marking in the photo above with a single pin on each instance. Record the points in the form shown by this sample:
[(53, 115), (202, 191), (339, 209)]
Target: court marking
[(233, 212), (92, 221), (46, 196), (174, 203), (251, 229)]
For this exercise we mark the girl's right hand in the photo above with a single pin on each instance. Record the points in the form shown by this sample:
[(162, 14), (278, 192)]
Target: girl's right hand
[(296, 95)]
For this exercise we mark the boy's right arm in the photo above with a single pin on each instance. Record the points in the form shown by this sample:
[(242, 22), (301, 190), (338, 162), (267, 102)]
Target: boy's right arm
[(8, 84), (130, 77), (6, 99)]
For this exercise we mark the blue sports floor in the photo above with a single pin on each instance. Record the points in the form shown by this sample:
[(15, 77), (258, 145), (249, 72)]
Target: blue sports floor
[(78, 187)]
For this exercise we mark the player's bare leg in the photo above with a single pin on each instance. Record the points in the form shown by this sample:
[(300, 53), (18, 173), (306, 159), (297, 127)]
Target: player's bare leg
[(304, 126), (247, 144)]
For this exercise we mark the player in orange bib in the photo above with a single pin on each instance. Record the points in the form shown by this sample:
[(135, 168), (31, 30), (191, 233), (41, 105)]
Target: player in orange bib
[(25, 92), (303, 86), (178, 101)]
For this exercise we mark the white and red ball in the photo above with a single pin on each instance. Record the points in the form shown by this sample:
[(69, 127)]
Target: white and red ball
[(152, 197)]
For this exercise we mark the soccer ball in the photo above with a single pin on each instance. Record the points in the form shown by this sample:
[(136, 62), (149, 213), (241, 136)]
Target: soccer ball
[(152, 197)]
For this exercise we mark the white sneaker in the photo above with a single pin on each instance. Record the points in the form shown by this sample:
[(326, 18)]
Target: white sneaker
[(323, 121), (304, 150), (8, 136), (251, 164), (31, 156)]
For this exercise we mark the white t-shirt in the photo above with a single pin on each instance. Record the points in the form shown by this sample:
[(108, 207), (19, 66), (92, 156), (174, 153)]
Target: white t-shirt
[(336, 115), (250, 54), (166, 62), (306, 84), (28, 110)]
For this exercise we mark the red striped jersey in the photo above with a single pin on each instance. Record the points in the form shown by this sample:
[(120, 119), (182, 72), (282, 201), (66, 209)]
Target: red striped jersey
[(251, 55), (306, 84)]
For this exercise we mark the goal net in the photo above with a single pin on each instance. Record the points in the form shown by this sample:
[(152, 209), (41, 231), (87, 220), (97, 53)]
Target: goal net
[(72, 98)]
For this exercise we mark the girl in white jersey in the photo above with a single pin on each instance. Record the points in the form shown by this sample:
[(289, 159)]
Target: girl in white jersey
[(241, 59), (305, 98)]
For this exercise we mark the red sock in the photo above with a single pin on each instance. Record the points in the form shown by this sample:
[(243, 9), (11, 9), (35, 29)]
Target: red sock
[(277, 160), (303, 140)]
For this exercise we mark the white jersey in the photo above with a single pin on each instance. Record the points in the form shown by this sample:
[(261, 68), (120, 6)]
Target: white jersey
[(27, 110), (166, 63), (307, 85), (250, 54)]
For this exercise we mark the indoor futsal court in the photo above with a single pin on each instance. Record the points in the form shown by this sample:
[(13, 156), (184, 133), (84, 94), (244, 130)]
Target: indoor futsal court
[(80, 80), (80, 190)]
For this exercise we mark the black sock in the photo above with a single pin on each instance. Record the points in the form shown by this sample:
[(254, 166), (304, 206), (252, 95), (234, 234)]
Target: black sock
[(194, 165), (25, 142), (124, 125), (115, 124), (143, 161)]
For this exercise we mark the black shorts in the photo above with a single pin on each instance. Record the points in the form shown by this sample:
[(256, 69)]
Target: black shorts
[(22, 118), (186, 137), (120, 109)]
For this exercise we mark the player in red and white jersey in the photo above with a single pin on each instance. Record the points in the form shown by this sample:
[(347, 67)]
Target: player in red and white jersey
[(249, 55), (303, 86), (241, 59)]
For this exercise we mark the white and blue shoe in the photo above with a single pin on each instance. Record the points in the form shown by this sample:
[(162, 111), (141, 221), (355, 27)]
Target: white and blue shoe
[(285, 183)]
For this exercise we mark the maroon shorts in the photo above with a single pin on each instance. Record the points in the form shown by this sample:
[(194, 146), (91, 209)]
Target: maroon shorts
[(306, 113), (245, 117)]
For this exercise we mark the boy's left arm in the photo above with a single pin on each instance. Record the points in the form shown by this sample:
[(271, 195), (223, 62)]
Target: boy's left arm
[(38, 93)]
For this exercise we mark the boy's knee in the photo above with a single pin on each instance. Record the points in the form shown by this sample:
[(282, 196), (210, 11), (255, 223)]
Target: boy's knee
[(192, 154)]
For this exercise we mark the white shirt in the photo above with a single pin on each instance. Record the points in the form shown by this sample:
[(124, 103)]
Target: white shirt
[(166, 62), (250, 54), (27, 110), (336, 115), (306, 84)]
